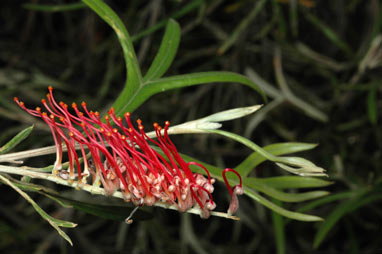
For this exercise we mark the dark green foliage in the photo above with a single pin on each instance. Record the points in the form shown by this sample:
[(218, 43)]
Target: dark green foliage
[(319, 66)]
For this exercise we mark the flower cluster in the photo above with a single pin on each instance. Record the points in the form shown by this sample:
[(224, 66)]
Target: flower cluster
[(124, 158)]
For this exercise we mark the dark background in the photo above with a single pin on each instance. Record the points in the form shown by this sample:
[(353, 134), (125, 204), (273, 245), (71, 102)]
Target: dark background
[(77, 53)]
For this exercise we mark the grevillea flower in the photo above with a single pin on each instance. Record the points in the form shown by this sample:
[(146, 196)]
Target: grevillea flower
[(123, 158)]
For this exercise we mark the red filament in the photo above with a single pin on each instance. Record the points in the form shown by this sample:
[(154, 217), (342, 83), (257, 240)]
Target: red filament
[(123, 157)]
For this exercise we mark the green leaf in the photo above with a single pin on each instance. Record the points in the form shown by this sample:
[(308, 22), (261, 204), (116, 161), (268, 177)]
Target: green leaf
[(246, 21), (372, 108), (134, 76), (279, 229), (100, 209), (185, 80), (54, 7), (230, 114), (278, 16), (150, 88), (334, 197), (216, 173), (178, 14), (258, 185), (56, 223), (292, 215), (325, 200), (295, 165), (26, 186), (255, 158), (329, 33), (295, 182), (137, 90), (166, 53), (16, 140), (341, 210)]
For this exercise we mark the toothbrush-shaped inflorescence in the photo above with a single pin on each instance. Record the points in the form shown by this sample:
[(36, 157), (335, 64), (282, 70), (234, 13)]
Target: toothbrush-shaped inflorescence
[(122, 158)]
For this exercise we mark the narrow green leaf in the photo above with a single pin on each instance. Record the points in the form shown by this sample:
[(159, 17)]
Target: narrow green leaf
[(278, 15), (258, 185), (325, 200), (185, 80), (134, 76), (279, 229), (372, 108), (134, 93), (106, 211), (293, 18), (295, 165), (16, 140), (56, 223), (245, 167), (294, 182), (340, 211), (292, 215), (27, 186), (329, 33), (54, 7), (178, 14), (216, 173), (126, 103), (245, 142), (245, 22), (166, 53), (231, 114)]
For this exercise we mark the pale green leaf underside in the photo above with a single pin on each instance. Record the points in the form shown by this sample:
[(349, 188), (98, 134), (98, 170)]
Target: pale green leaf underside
[(56, 223), (16, 140), (276, 149)]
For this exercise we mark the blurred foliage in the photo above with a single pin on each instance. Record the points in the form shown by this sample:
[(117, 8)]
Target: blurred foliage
[(319, 62)]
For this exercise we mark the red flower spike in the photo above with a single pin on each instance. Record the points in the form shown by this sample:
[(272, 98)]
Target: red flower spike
[(122, 158)]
